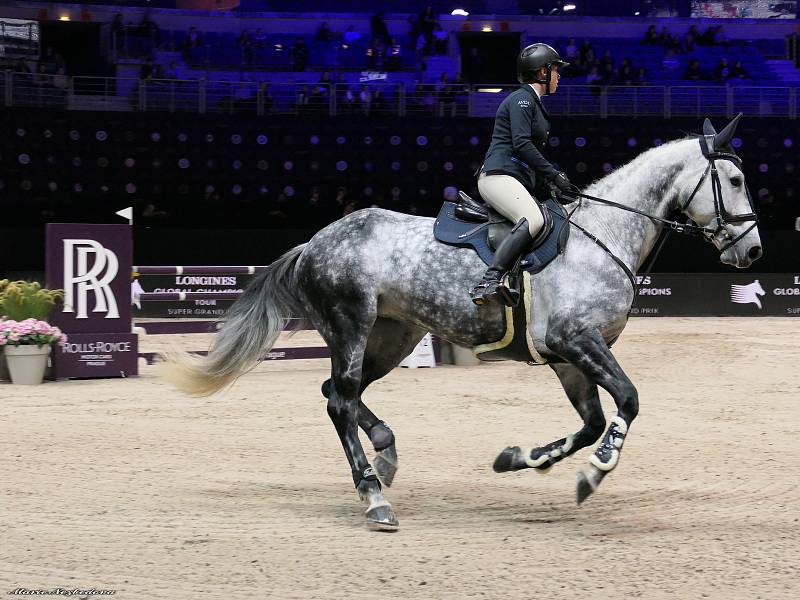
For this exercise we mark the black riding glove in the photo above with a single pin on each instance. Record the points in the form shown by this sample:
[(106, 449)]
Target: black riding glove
[(560, 185)]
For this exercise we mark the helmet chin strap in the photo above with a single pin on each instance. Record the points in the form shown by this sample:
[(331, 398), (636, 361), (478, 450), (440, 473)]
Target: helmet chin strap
[(546, 82)]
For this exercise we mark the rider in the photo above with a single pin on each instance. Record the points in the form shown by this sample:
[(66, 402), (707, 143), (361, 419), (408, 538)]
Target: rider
[(514, 165)]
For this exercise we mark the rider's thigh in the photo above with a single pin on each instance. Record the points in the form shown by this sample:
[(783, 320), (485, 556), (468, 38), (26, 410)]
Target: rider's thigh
[(509, 197)]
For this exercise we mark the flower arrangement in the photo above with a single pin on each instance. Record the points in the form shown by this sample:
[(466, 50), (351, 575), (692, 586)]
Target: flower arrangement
[(29, 332), (22, 300)]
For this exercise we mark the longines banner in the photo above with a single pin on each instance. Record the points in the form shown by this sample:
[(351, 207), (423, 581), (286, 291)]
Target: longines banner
[(190, 309), (742, 294), (92, 264), (667, 295)]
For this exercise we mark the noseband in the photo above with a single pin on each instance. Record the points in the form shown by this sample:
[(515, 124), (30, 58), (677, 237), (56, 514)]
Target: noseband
[(723, 217)]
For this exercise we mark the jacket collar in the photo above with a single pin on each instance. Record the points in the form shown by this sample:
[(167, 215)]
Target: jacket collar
[(538, 100)]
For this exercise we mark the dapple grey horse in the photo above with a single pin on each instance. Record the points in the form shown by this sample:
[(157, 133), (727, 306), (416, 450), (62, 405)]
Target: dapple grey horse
[(375, 281)]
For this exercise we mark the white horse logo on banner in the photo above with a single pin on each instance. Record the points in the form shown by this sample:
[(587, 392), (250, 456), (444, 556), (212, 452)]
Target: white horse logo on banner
[(79, 279), (747, 294)]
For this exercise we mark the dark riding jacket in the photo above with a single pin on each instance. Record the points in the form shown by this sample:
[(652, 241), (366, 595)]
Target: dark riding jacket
[(521, 129)]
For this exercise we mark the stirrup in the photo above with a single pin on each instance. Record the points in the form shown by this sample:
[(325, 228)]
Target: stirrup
[(494, 292)]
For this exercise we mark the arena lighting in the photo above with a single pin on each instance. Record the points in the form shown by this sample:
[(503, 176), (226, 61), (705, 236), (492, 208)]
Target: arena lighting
[(568, 7), (491, 90), (63, 18), (486, 28), (459, 12)]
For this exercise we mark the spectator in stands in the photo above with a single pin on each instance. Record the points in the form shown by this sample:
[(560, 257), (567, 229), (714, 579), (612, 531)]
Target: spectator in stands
[(379, 104), (585, 50), (739, 72), (51, 57), (439, 39), (351, 36), (650, 36), (259, 39), (302, 100), (571, 51), (379, 29), (41, 78), (626, 74), (147, 70), (150, 28), (193, 41), (666, 39), (117, 29), (693, 71), (60, 79), (641, 77), (21, 66), (245, 43), (324, 33), (709, 37), (364, 100), (446, 96), (670, 64), (427, 22), (376, 54), (607, 59), (723, 71), (689, 43), (299, 55), (394, 58), (413, 30), (594, 78), (608, 74)]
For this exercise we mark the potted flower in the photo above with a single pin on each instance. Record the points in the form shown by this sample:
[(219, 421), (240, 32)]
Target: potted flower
[(24, 333), (26, 345)]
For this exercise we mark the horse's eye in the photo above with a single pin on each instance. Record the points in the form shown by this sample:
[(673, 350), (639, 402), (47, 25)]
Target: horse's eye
[(736, 181)]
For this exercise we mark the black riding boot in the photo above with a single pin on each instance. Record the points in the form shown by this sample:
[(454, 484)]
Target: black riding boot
[(491, 288)]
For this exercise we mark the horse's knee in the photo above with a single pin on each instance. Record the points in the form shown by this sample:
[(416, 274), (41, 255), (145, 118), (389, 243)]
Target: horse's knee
[(339, 410)]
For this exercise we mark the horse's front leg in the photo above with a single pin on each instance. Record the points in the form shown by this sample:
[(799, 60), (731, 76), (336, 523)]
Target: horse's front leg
[(588, 351), (582, 393)]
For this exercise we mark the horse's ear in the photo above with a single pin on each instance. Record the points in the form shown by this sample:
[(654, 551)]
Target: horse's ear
[(724, 137), (708, 128)]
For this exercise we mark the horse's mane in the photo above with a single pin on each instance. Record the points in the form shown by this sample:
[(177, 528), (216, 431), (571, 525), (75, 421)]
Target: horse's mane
[(610, 177)]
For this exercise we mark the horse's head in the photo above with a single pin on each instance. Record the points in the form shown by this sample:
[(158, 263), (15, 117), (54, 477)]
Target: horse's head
[(720, 201)]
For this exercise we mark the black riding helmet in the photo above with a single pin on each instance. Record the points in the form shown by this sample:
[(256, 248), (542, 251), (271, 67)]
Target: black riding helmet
[(534, 57)]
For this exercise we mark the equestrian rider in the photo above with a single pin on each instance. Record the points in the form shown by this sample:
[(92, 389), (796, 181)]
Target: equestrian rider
[(514, 166)]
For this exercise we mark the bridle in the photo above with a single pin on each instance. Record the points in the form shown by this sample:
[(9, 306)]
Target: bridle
[(723, 218)]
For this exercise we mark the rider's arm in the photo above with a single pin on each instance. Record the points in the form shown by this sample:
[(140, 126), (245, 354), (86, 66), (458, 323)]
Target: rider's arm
[(521, 117)]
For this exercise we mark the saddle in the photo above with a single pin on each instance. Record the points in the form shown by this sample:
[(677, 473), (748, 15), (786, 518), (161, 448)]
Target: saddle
[(471, 224)]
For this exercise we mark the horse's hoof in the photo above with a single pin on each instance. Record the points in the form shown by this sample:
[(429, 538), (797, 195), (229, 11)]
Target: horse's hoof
[(506, 460), (385, 465), (587, 483), (382, 518)]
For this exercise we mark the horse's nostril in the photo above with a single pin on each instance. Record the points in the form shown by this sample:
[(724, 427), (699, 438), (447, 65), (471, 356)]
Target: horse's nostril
[(755, 252)]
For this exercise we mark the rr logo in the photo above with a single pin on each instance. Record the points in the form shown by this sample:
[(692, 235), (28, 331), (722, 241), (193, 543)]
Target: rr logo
[(79, 279)]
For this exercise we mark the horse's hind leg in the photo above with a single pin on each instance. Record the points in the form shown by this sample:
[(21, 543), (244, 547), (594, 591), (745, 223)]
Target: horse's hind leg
[(348, 345), (389, 342), (582, 393), (588, 352)]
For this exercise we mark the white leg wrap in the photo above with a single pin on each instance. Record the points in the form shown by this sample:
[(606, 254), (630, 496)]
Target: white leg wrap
[(605, 466), (526, 454), (622, 426)]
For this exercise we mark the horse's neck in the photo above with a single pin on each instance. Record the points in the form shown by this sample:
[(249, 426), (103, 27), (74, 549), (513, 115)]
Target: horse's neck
[(646, 184)]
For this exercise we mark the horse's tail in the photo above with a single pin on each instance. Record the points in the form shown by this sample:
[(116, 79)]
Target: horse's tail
[(252, 325)]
